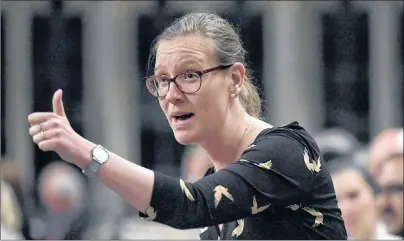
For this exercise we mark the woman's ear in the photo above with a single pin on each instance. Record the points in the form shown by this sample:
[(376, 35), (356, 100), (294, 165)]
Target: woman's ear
[(238, 77)]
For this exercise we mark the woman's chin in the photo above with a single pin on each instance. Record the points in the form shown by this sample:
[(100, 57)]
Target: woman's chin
[(185, 138)]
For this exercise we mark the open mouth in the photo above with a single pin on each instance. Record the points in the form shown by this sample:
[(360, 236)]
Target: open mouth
[(183, 117)]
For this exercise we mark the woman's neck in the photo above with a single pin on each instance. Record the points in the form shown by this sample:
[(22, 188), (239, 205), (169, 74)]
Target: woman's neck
[(228, 144)]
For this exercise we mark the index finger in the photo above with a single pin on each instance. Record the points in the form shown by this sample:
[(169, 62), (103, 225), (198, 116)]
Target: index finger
[(39, 117)]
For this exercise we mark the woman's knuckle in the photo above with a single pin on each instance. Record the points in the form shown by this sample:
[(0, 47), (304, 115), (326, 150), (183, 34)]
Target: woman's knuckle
[(55, 122), (58, 133)]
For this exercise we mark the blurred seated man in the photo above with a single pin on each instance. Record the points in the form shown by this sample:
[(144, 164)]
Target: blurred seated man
[(61, 192), (356, 192), (195, 163), (387, 166), (10, 213), (391, 182)]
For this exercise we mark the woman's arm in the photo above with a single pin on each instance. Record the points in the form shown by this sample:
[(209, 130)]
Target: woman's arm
[(277, 171), (129, 180), (265, 177)]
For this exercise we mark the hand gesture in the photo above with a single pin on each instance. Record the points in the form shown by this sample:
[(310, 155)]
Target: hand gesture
[(51, 131)]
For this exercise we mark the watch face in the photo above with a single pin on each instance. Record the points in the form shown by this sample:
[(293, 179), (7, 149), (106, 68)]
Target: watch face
[(100, 154)]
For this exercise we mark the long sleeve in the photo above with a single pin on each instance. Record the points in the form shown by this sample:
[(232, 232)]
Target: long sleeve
[(276, 171)]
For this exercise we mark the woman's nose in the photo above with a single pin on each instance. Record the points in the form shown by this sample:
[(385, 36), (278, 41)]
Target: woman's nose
[(174, 94)]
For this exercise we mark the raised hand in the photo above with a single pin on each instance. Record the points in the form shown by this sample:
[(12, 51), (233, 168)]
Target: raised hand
[(52, 131)]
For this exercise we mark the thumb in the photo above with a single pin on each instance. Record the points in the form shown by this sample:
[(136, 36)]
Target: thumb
[(57, 103)]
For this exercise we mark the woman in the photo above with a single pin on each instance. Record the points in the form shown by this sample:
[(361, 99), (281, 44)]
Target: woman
[(266, 183), (357, 193)]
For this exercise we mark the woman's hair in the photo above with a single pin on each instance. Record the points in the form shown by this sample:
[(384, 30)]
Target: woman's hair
[(346, 163), (228, 47)]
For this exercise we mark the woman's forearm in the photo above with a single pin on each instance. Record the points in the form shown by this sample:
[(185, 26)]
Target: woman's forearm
[(129, 180)]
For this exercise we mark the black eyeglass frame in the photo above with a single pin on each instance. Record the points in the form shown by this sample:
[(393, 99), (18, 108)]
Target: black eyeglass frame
[(199, 73)]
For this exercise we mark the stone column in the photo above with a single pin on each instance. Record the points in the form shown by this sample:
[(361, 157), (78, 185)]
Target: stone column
[(19, 94), (384, 75), (287, 83), (111, 100)]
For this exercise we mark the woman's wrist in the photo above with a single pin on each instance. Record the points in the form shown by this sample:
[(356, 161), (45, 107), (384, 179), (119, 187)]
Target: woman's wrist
[(84, 156)]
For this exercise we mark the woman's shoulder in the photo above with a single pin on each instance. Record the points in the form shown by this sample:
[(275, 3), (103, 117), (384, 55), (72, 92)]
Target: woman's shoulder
[(289, 135), (290, 149), (292, 129)]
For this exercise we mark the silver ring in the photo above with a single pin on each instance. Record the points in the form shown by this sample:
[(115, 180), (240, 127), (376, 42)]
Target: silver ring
[(40, 126)]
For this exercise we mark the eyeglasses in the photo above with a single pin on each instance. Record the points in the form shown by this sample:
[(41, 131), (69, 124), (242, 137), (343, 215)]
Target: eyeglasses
[(188, 82)]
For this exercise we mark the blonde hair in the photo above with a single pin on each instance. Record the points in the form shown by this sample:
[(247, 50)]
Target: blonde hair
[(229, 49), (10, 209)]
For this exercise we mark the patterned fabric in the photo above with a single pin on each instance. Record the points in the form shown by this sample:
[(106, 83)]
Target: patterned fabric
[(279, 189)]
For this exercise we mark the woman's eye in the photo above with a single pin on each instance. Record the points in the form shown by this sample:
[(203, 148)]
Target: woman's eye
[(163, 79), (191, 75)]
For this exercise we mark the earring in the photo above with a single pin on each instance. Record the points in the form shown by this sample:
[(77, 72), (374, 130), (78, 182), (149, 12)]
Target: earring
[(233, 96)]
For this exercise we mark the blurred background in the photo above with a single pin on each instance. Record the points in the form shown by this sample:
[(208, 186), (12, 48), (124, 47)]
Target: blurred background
[(334, 66)]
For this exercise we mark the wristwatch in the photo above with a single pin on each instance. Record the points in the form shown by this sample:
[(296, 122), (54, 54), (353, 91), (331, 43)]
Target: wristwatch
[(99, 157)]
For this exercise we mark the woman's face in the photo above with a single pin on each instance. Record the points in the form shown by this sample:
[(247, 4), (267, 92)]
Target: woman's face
[(210, 105), (357, 203)]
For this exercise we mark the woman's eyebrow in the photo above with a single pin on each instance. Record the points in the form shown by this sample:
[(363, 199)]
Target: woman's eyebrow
[(189, 63), (182, 65)]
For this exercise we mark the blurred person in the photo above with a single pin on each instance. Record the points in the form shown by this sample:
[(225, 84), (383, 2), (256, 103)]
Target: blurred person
[(12, 176), (357, 193), (391, 182), (62, 195), (10, 234), (387, 145), (10, 213), (361, 157), (136, 228), (386, 164), (335, 143), (10, 172), (195, 162), (266, 182)]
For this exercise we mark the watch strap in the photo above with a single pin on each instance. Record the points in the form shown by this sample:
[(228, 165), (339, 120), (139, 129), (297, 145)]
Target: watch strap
[(92, 169)]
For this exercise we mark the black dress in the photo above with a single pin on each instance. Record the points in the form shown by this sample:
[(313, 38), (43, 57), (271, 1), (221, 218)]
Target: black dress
[(279, 189)]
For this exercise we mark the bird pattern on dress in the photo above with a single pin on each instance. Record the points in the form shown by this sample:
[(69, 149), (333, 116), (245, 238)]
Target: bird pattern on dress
[(221, 191), (185, 190), (255, 209), (312, 166), (253, 190)]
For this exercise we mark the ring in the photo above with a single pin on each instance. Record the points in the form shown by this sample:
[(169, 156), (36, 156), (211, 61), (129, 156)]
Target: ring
[(40, 126)]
